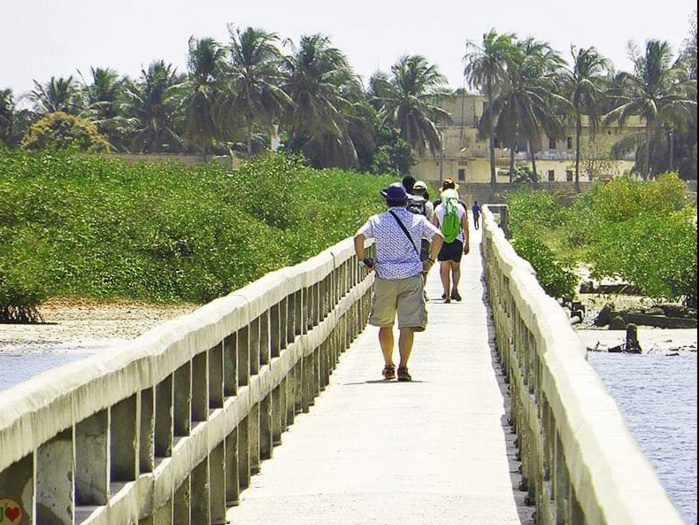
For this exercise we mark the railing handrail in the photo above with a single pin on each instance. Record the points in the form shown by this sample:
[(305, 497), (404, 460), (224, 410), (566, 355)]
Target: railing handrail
[(612, 481), (26, 416)]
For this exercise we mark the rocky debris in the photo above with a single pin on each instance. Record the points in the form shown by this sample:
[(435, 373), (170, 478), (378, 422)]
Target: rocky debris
[(663, 316)]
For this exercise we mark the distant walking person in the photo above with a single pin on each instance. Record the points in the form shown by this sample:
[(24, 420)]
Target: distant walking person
[(476, 209), (452, 218), (399, 289)]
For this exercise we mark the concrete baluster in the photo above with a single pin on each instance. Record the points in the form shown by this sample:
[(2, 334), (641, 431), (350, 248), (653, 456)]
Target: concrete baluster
[(265, 339), (17, 484), (244, 471), (291, 318), (244, 357), (164, 418), (182, 508), (124, 447), (266, 428), (232, 470), (217, 482), (278, 413), (164, 515), (254, 351), (275, 330), (254, 439), (92, 461), (299, 315), (200, 388), (230, 365), (284, 324), (216, 391), (201, 494), (183, 400), (55, 495), (147, 432), (299, 373)]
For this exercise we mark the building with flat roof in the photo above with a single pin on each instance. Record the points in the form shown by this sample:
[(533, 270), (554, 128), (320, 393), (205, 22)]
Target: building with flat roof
[(465, 156)]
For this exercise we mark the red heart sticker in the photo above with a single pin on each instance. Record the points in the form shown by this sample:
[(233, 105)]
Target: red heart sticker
[(11, 510)]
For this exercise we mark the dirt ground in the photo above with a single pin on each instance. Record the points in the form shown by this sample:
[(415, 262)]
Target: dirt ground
[(77, 322)]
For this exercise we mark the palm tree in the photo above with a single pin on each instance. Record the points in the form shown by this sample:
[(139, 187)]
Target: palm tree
[(105, 96), (659, 91), (253, 99), (155, 104), (58, 94), (486, 69), (584, 87), (7, 115), (407, 101), (325, 121), (528, 103), (204, 85)]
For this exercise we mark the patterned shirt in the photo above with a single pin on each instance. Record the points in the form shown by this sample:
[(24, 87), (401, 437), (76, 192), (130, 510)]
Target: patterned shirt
[(396, 258)]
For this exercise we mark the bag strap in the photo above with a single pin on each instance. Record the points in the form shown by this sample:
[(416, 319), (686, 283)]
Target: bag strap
[(405, 231)]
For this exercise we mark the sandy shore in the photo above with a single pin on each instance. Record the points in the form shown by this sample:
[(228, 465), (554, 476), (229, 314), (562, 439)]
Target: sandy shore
[(85, 323), (652, 340)]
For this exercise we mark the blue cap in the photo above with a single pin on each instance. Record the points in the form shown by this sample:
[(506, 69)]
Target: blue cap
[(395, 192)]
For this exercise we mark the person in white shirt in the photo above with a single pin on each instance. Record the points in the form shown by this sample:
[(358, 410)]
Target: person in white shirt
[(455, 247), (399, 289)]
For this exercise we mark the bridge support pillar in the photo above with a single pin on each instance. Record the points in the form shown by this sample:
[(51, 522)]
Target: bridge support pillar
[(92, 460), (232, 470), (54, 481)]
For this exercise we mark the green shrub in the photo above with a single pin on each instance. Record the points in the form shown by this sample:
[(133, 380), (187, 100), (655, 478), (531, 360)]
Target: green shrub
[(556, 278), (534, 210), (658, 254), (165, 232)]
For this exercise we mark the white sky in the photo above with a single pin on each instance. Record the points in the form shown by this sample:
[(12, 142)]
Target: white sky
[(41, 38)]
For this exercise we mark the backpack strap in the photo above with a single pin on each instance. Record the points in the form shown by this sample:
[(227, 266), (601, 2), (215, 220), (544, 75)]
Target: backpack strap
[(405, 231)]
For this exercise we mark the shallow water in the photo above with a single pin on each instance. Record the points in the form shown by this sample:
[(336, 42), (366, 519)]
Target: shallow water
[(19, 364), (658, 397)]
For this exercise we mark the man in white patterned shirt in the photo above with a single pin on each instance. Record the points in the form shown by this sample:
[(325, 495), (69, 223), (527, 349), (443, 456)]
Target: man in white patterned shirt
[(399, 289)]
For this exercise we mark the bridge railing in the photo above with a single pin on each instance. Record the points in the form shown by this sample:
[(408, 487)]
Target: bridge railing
[(169, 429), (580, 463)]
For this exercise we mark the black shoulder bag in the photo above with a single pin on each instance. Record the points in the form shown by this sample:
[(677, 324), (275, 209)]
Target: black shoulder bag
[(406, 232)]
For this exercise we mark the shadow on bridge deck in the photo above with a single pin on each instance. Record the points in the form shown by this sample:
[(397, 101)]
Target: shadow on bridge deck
[(438, 451)]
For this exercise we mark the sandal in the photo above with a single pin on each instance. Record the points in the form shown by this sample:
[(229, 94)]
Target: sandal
[(404, 376), (389, 372)]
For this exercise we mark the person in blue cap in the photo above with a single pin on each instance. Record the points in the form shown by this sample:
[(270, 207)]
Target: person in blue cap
[(400, 272)]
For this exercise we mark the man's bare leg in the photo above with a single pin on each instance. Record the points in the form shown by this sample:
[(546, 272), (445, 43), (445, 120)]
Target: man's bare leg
[(405, 344), (387, 345)]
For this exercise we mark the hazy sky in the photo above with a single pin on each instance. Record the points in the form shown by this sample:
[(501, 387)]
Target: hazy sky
[(41, 38)]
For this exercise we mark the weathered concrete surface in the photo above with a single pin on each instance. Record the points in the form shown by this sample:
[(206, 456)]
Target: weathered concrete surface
[(370, 452)]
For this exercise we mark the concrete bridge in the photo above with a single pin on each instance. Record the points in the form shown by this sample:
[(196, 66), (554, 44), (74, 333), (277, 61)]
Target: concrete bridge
[(506, 422)]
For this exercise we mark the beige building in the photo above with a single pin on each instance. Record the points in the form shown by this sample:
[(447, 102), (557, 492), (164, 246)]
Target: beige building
[(466, 158)]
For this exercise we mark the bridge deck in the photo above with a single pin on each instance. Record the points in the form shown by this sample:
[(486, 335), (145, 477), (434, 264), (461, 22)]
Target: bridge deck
[(436, 451)]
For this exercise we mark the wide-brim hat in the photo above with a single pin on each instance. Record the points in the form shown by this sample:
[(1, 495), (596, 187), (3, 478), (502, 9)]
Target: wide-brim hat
[(395, 192), (420, 185)]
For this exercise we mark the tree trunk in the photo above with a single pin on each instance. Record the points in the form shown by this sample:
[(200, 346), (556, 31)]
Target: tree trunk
[(532, 153), (491, 131), (578, 150), (649, 139), (249, 143), (512, 162), (672, 150)]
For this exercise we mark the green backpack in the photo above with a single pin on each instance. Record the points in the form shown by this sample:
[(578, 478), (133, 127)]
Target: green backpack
[(451, 226)]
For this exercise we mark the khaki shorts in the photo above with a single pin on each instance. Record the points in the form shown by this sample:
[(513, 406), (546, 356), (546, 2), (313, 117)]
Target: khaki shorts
[(404, 298)]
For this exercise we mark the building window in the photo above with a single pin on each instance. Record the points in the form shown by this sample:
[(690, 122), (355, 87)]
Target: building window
[(570, 142), (552, 176), (570, 175), (552, 144), (462, 175)]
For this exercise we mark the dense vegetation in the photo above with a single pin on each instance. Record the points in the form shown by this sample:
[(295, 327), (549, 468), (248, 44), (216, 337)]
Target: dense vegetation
[(234, 96), (79, 225), (642, 232)]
